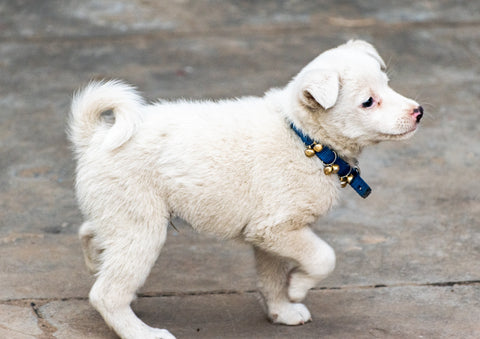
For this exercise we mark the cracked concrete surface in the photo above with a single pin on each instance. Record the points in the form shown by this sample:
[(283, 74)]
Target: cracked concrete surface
[(408, 257), (18, 321)]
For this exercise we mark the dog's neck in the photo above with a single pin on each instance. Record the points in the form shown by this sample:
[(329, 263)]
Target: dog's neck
[(333, 163), (345, 147)]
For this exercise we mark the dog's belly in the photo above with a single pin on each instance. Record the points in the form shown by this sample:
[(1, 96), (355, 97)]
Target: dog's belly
[(229, 212)]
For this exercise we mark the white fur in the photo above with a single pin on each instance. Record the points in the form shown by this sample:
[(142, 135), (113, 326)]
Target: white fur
[(232, 168)]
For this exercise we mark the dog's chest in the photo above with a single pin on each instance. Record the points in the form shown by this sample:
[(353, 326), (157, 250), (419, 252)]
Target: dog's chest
[(308, 189), (321, 192)]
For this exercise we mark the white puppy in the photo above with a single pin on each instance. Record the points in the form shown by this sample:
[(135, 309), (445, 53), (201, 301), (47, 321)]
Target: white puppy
[(233, 168)]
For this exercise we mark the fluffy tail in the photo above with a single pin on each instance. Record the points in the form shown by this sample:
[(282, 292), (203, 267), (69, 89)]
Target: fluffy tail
[(104, 97)]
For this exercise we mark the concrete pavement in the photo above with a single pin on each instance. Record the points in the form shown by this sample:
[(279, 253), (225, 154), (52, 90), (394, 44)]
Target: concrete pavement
[(408, 257)]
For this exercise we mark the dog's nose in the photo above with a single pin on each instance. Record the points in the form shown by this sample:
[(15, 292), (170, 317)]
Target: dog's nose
[(418, 113)]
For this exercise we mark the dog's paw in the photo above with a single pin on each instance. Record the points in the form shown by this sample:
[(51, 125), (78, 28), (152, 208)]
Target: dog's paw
[(290, 314)]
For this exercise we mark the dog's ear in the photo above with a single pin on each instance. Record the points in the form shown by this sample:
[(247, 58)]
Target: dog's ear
[(319, 87), (367, 49)]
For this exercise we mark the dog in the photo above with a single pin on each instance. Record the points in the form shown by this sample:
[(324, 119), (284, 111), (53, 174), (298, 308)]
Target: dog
[(235, 168)]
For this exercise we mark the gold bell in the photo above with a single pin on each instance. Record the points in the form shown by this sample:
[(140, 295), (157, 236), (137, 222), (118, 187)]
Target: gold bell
[(317, 148), (309, 152), (350, 178), (343, 182), (328, 170), (335, 168)]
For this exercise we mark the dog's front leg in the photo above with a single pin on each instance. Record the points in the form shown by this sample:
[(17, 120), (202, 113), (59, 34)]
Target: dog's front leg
[(272, 283), (315, 259)]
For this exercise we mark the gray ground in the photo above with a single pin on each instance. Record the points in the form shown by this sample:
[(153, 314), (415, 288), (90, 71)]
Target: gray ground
[(408, 256)]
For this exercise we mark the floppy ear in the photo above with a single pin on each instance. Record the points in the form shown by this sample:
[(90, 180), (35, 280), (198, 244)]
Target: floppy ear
[(319, 87), (367, 49)]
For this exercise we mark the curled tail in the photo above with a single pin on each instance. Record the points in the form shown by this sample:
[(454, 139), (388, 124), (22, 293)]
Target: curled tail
[(100, 97)]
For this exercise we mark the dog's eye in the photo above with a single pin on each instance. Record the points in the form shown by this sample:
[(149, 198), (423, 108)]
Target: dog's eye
[(368, 103)]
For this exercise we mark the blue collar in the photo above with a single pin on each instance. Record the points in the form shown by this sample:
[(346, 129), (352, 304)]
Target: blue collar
[(333, 164)]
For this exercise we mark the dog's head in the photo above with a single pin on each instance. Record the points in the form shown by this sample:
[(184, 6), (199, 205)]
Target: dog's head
[(343, 98)]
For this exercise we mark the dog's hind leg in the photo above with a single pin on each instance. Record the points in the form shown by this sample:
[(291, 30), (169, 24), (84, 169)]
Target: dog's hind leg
[(272, 283), (128, 256)]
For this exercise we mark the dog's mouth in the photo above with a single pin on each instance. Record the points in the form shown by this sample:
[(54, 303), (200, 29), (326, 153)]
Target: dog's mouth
[(401, 136)]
